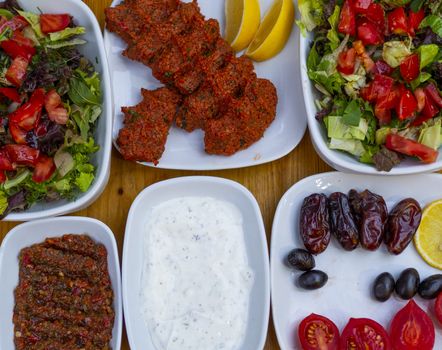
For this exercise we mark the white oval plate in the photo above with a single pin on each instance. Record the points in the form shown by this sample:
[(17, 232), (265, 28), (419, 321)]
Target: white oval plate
[(186, 151), (95, 52), (351, 274), (256, 245), (340, 160), (37, 231)]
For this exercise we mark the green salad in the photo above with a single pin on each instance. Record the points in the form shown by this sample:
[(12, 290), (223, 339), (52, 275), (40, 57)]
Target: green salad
[(378, 68), (50, 101)]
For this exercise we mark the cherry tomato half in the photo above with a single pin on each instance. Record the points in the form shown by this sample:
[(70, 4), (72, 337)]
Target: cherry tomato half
[(363, 333), (412, 329), (317, 332)]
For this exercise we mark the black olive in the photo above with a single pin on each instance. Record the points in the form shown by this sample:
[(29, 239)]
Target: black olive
[(383, 286), (313, 279), (300, 259), (430, 287), (407, 283)]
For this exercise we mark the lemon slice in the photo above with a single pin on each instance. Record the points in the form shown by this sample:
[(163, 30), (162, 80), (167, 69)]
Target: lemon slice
[(428, 238), (274, 31), (242, 22)]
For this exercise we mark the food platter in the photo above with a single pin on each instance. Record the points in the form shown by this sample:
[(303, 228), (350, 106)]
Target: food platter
[(351, 274), (185, 151)]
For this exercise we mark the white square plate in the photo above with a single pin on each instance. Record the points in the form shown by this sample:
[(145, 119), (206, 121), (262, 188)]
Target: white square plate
[(186, 151), (37, 231), (255, 241), (351, 274)]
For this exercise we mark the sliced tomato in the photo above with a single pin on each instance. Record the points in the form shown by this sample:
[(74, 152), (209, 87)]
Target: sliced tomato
[(398, 22), (367, 93), (432, 92), (52, 100), (16, 72), (14, 49), (382, 67), (391, 100), (364, 56), (412, 329), (361, 6), (22, 154), (19, 38), (44, 169), (50, 23), (410, 67), (3, 177), (411, 148), (382, 86), (59, 115), (415, 18), (383, 115), (376, 14), (420, 98), (17, 133), (27, 115), (368, 33), (363, 333), (407, 105), (347, 20), (11, 93), (5, 162), (347, 61), (438, 308), (317, 332), (428, 111)]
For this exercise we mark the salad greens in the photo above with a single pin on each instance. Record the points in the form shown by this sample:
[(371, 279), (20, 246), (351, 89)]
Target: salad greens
[(377, 78), (64, 89)]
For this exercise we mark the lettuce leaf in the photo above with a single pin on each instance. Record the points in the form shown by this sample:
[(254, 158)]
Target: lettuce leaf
[(431, 135), (34, 20), (354, 147), (337, 129), (64, 43), (311, 14), (394, 52), (332, 34), (427, 54), (66, 33), (434, 22)]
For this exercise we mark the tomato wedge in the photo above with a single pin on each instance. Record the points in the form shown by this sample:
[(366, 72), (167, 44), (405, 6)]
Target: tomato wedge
[(317, 332), (363, 55), (347, 61), (17, 133), (407, 105), (50, 23), (420, 98), (19, 38), (363, 333), (22, 154), (383, 114), (397, 21), (347, 20), (16, 72), (54, 106), (10, 93), (412, 329), (376, 14), (27, 115), (411, 148), (438, 308), (382, 85), (410, 67), (368, 33), (5, 162), (415, 18), (44, 168), (432, 92), (361, 6), (3, 177)]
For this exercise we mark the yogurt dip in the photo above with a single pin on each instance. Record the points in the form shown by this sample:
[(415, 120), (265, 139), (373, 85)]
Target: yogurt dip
[(196, 279)]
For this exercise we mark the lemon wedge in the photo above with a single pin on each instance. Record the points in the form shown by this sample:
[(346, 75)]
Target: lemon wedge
[(428, 238), (274, 31), (242, 22)]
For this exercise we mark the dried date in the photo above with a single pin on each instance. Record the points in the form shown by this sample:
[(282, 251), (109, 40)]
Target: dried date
[(314, 223), (374, 215), (354, 199), (402, 224), (342, 222)]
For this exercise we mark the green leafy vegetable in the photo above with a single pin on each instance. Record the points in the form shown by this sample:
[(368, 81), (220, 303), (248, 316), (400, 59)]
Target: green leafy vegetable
[(17, 180), (396, 3), (64, 43), (3, 202), (394, 52), (6, 13), (66, 33), (332, 34), (81, 94), (337, 129), (427, 54), (352, 114), (311, 14), (431, 135), (416, 5), (370, 151), (354, 147), (381, 135), (434, 22), (34, 20), (84, 181), (422, 78)]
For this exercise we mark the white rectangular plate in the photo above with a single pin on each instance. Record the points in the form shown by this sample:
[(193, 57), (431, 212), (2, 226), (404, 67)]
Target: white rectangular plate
[(351, 274), (37, 231), (186, 150), (256, 246)]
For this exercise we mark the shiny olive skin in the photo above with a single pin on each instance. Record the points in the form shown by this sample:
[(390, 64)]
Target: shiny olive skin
[(402, 224), (314, 223), (313, 279), (407, 284), (342, 223), (300, 259), (383, 286), (374, 215), (430, 287)]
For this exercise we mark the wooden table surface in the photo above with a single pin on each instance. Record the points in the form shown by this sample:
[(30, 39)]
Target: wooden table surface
[(267, 182)]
